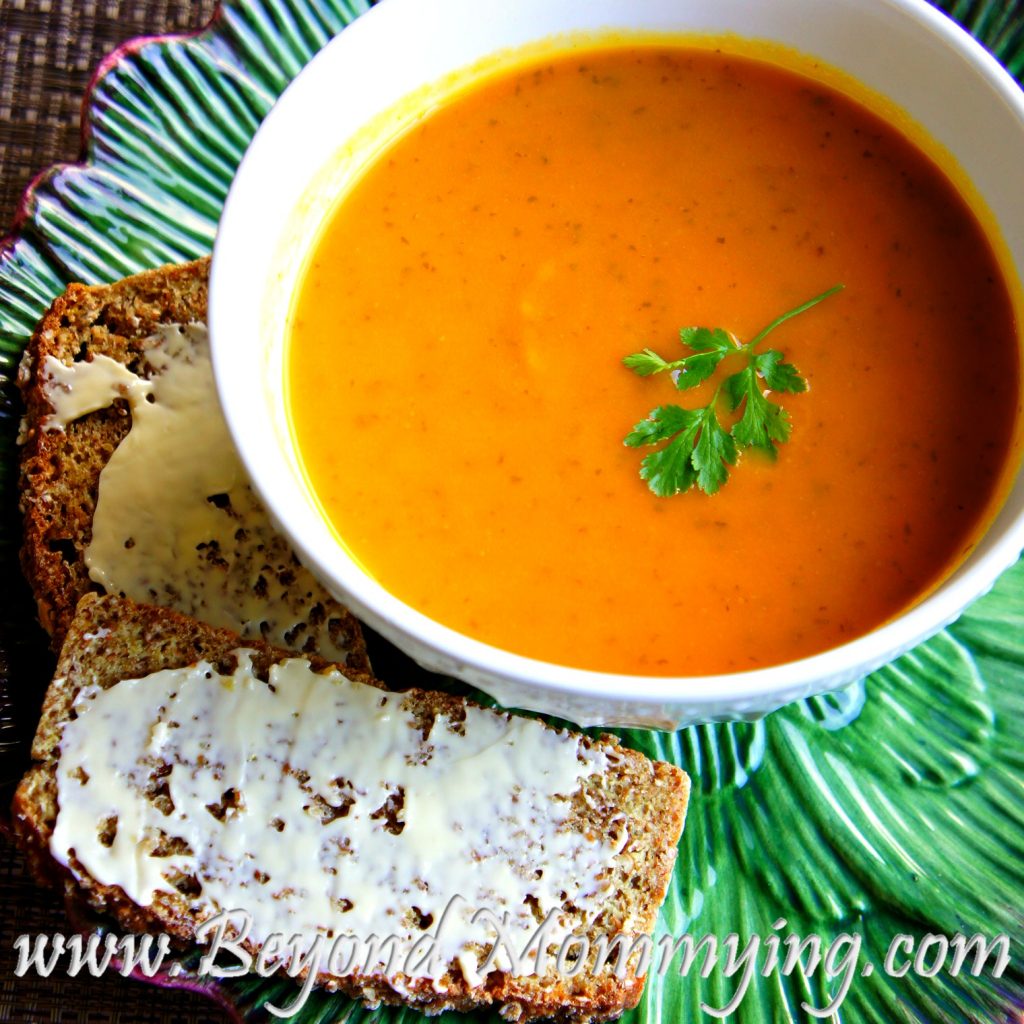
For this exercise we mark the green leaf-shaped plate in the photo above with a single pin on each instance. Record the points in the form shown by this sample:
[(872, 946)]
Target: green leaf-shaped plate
[(891, 810)]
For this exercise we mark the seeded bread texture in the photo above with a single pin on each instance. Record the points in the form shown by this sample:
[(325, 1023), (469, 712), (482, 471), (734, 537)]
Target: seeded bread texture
[(60, 469), (112, 639)]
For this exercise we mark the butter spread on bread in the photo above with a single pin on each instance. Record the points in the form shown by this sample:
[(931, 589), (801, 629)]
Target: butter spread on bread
[(319, 805), (75, 391), (176, 522)]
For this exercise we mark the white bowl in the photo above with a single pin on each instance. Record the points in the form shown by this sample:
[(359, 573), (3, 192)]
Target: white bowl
[(902, 49)]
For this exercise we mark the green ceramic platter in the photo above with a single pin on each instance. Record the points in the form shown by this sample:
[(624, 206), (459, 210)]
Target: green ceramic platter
[(893, 808)]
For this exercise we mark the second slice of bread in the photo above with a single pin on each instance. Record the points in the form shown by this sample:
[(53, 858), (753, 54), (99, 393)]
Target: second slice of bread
[(636, 805), (61, 468)]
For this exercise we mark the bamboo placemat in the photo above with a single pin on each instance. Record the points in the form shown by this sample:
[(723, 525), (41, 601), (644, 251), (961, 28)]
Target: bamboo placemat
[(48, 52)]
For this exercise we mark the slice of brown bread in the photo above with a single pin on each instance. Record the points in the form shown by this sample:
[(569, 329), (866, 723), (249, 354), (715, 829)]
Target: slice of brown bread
[(60, 468), (639, 802)]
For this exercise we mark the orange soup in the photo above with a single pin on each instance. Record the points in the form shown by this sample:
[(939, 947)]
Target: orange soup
[(458, 395)]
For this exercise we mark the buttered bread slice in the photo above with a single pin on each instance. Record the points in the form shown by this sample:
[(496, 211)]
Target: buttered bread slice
[(403, 847), (130, 483)]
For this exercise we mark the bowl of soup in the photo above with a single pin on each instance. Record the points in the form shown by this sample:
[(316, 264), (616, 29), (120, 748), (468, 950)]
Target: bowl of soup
[(457, 224)]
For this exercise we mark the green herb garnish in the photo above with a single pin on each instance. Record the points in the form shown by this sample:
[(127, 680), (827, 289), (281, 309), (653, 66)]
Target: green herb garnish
[(700, 449)]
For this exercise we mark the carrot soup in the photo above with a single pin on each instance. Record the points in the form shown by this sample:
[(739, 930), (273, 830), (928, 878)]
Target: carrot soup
[(459, 400)]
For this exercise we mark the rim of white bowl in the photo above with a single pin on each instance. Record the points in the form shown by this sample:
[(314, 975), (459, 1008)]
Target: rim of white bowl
[(370, 600)]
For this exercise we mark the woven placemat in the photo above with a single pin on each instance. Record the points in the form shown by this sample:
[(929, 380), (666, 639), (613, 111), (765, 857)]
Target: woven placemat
[(48, 52)]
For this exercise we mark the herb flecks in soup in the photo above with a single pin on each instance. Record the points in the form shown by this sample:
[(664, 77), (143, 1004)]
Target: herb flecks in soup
[(456, 380), (700, 449)]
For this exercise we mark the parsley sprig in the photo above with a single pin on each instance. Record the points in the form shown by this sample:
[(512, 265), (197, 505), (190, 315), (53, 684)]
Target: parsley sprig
[(700, 449)]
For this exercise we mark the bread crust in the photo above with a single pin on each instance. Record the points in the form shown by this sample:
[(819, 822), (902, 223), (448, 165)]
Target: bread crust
[(112, 639), (60, 469)]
